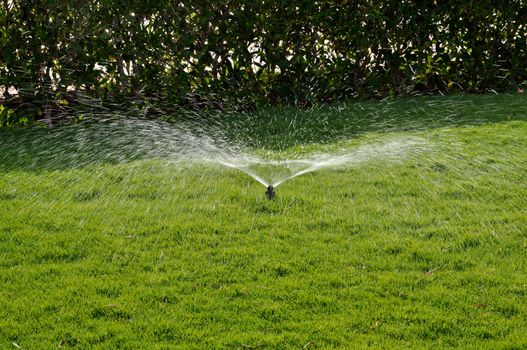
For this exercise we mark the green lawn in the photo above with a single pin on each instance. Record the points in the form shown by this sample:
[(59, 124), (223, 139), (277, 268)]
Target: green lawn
[(428, 252)]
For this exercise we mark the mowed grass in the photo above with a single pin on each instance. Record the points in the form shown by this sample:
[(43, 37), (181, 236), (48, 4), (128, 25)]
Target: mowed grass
[(429, 252)]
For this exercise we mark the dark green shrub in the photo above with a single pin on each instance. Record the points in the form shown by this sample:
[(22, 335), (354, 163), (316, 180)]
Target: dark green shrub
[(221, 54)]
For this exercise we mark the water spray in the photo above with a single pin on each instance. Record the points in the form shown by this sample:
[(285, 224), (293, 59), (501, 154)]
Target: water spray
[(270, 192)]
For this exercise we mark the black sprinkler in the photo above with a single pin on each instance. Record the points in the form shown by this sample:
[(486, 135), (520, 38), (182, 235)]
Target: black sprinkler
[(270, 192)]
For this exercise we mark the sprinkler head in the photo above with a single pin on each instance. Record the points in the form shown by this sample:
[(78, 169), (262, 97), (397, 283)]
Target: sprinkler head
[(270, 192)]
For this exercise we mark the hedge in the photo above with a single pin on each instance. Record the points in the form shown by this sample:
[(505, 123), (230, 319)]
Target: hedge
[(255, 53)]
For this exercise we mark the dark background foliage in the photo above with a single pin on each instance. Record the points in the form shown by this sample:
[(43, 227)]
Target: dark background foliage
[(225, 54)]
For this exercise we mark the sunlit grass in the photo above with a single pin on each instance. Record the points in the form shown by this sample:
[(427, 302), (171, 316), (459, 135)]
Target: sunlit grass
[(428, 252)]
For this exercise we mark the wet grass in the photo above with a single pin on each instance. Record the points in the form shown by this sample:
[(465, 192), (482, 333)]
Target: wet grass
[(425, 253)]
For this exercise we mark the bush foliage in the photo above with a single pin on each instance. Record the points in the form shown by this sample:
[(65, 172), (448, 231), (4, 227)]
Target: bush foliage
[(257, 52)]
